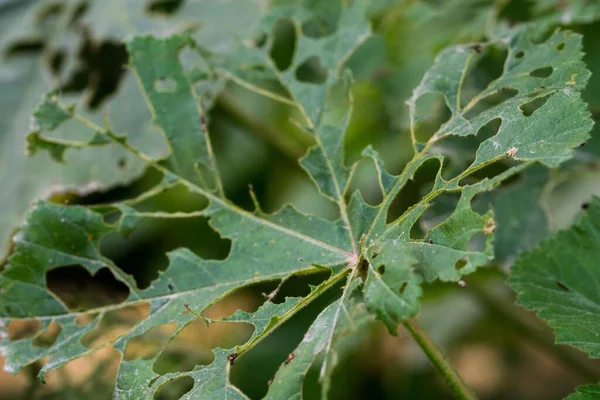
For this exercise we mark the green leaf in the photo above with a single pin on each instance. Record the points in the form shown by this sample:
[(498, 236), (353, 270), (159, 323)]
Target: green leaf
[(377, 260), (585, 392), (25, 76), (560, 280), (393, 295), (27, 179)]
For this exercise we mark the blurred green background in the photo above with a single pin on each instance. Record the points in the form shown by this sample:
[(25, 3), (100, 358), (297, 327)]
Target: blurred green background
[(76, 47)]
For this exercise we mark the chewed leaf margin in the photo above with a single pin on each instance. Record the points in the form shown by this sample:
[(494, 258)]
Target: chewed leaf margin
[(382, 265)]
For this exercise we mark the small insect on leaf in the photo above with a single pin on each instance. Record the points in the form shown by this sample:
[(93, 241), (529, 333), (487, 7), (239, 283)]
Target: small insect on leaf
[(231, 358), (289, 359), (477, 47), (512, 151)]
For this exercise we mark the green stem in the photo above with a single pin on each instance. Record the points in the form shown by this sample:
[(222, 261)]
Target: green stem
[(440, 360)]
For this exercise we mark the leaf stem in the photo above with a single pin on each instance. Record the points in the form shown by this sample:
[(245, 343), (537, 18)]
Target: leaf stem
[(439, 359)]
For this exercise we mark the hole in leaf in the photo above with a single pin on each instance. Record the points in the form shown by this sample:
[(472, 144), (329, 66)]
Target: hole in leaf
[(439, 211), (56, 61), (195, 66), (175, 199), (481, 203), (517, 11), (79, 12), (141, 185), (489, 129), (115, 323), (109, 70), (483, 70), (260, 40), (460, 264), (431, 112), (529, 108), (416, 231), (175, 388), (312, 382), (542, 72), (562, 286), (23, 328), (477, 242), (560, 46), (165, 85), (459, 152), (299, 285), (412, 190), (537, 36), (246, 299), (102, 68), (149, 344), (365, 180), (519, 54), (179, 356), (466, 148), (23, 48), (489, 171), (492, 100), (311, 71), (88, 376), (48, 337), (381, 269), (78, 289), (143, 253), (284, 44), (403, 287), (275, 348), (151, 381), (112, 216), (86, 319), (164, 6)]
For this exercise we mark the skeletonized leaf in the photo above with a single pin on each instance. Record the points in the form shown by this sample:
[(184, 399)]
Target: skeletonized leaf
[(377, 260)]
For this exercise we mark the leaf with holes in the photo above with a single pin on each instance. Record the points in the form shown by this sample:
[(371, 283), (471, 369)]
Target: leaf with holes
[(25, 179), (560, 280), (375, 257), (88, 169)]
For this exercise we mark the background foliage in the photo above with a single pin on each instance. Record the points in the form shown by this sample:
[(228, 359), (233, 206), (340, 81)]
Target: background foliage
[(78, 49)]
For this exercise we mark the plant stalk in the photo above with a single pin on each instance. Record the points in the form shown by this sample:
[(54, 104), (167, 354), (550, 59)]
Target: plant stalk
[(439, 359)]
